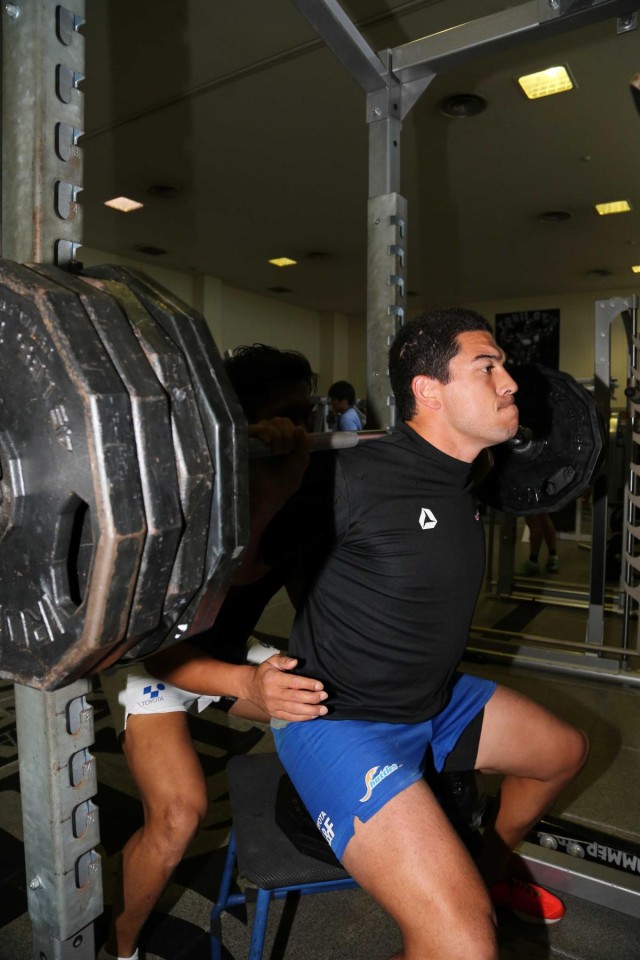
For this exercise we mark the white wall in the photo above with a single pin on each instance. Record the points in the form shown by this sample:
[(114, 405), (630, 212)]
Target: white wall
[(336, 343), (577, 331)]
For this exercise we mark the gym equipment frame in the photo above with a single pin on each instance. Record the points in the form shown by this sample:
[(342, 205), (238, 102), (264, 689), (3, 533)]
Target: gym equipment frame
[(43, 65)]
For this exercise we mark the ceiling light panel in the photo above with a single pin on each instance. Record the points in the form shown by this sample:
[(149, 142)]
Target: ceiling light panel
[(636, 268), (283, 262), (123, 204), (615, 206), (546, 82)]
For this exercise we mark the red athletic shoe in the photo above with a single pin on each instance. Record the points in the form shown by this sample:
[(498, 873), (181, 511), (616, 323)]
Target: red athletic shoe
[(529, 902)]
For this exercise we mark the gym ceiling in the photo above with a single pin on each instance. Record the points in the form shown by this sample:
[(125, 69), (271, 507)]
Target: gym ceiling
[(245, 139)]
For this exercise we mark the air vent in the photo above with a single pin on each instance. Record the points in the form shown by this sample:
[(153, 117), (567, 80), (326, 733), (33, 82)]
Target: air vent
[(555, 216), (461, 105), (279, 290)]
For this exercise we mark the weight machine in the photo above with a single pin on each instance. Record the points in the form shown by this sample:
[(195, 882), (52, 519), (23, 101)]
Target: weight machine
[(43, 65)]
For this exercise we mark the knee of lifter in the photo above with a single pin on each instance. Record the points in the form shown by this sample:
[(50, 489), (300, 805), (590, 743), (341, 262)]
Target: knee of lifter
[(181, 820), (482, 946), (487, 951), (473, 936), (576, 752), (582, 748)]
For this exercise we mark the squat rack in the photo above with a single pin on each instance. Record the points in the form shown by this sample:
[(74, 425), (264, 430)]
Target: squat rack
[(43, 66)]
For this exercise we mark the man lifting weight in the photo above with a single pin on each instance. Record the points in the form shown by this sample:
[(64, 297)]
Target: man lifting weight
[(384, 625)]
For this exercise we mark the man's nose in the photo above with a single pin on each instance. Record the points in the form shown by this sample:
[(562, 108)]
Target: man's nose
[(507, 384)]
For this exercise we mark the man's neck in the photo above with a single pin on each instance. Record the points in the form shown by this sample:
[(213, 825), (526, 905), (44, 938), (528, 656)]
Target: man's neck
[(454, 445)]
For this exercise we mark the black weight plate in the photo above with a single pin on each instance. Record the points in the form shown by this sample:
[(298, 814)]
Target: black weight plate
[(565, 450), (156, 462), (226, 431), (72, 524), (191, 455)]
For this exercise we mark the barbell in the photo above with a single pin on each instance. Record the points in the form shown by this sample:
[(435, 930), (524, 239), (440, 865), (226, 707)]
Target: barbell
[(548, 464), (124, 468)]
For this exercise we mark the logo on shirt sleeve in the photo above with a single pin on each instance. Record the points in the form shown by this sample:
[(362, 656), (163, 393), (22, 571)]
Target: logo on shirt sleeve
[(427, 520)]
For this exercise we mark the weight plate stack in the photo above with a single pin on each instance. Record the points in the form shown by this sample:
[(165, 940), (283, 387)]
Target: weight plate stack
[(154, 445), (192, 460), (225, 429), (72, 522), (559, 449)]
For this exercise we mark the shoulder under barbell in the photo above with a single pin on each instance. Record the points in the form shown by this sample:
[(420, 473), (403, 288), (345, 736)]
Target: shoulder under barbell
[(549, 463)]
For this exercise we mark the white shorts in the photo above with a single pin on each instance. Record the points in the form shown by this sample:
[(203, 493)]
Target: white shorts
[(131, 690)]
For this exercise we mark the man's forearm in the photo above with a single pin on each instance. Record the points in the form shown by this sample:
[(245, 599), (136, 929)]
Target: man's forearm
[(271, 686), (189, 668)]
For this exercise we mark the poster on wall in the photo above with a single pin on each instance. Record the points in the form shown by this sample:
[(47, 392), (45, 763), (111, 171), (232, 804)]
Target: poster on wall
[(530, 336)]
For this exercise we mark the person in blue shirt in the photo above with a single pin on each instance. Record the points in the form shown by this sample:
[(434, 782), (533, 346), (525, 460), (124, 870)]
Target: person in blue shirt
[(343, 400)]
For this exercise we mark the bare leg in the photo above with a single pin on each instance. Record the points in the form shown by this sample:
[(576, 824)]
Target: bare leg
[(539, 755), (164, 764), (535, 534), (548, 531), (410, 860)]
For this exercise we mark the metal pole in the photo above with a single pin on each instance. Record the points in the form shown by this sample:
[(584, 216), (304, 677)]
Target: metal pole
[(42, 120), (629, 577), (606, 312), (58, 779)]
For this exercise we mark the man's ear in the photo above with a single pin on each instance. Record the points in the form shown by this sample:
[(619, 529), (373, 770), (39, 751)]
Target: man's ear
[(427, 392)]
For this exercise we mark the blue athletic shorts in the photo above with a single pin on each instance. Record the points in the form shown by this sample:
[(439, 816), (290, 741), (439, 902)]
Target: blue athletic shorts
[(344, 769)]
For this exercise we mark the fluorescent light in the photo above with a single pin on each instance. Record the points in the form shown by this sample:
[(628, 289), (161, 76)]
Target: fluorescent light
[(636, 269), (616, 206), (283, 262), (123, 204), (546, 82)]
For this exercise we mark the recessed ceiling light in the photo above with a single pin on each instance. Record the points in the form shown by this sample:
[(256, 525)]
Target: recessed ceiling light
[(461, 105), (283, 262), (616, 206), (123, 204), (546, 82), (554, 216), (636, 268)]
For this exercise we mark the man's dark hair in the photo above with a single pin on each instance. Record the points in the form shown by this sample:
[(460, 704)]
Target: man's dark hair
[(342, 390), (425, 346), (259, 372)]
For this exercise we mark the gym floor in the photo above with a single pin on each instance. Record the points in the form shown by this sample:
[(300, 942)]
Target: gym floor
[(348, 926)]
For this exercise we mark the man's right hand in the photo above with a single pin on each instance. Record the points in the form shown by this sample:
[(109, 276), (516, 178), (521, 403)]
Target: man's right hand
[(284, 695)]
